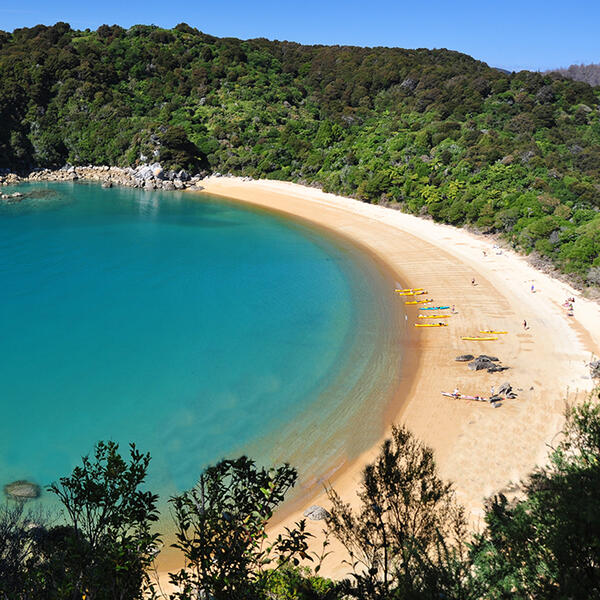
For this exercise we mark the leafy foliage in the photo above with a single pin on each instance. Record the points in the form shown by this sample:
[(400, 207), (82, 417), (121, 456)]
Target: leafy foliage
[(408, 538), (434, 132), (103, 548), (221, 530), (548, 544)]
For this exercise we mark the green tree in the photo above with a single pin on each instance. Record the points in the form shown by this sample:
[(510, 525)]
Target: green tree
[(407, 539), (221, 530), (106, 547), (547, 545)]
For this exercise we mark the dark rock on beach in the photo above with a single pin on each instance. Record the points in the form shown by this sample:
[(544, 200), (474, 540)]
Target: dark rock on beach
[(464, 358), (480, 363), (22, 490)]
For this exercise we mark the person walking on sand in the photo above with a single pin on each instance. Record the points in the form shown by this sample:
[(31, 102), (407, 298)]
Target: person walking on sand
[(524, 324), (532, 289), (473, 281)]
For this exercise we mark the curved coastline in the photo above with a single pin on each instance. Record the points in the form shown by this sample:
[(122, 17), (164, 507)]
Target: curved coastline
[(399, 338), (480, 449)]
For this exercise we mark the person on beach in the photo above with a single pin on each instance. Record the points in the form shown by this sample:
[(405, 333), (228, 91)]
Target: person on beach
[(524, 324), (492, 391), (456, 393), (532, 289), (473, 281), (453, 310)]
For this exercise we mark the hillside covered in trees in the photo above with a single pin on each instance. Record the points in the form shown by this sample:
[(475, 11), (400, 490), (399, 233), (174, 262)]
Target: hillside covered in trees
[(434, 132)]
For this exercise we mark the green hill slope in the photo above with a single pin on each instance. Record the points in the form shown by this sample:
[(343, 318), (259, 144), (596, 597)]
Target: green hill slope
[(435, 131)]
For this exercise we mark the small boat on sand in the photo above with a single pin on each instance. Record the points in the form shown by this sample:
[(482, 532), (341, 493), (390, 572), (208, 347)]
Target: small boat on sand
[(491, 331), (434, 316), (413, 293), (418, 301), (431, 324), (495, 403), (478, 338), (435, 308), (406, 290)]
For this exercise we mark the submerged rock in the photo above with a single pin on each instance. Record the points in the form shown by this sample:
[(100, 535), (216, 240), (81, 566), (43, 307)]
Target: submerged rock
[(316, 513), (22, 490)]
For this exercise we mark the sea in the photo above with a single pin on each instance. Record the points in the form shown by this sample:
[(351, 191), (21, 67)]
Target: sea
[(195, 327)]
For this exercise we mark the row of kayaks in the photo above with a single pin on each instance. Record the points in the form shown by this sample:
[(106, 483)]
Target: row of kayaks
[(490, 333)]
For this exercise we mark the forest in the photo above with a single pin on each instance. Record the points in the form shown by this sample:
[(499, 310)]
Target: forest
[(431, 132)]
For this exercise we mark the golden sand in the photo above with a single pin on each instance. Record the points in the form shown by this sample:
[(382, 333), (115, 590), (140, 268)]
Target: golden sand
[(479, 448)]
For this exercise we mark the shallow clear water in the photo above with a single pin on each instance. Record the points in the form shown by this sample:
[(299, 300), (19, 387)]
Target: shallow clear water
[(194, 327)]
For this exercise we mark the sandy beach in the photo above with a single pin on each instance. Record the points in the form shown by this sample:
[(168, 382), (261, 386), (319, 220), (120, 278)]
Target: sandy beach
[(481, 449)]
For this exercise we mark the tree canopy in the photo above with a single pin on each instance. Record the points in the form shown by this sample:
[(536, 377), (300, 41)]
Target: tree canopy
[(434, 131)]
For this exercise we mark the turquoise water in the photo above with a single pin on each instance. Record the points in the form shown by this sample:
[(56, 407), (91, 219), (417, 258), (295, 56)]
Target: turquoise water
[(194, 327)]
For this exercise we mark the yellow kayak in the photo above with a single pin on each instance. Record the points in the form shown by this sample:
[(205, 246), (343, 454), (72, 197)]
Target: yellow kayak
[(413, 293), (418, 301), (490, 331), (409, 290), (431, 325), (435, 317), (478, 339)]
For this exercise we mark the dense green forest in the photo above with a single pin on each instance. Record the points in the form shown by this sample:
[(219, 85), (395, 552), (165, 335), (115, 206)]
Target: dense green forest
[(406, 539), (434, 132)]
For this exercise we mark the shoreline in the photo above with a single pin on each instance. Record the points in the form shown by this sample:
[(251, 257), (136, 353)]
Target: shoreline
[(479, 449)]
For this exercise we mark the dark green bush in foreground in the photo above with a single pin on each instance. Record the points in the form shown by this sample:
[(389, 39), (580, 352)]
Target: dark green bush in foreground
[(406, 540), (432, 132)]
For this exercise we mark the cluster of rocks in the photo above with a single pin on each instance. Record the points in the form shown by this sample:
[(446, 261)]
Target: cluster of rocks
[(595, 369), (148, 177), (483, 361)]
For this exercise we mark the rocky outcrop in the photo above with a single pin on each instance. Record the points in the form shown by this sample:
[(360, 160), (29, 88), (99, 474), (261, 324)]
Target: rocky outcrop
[(147, 177), (595, 369)]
